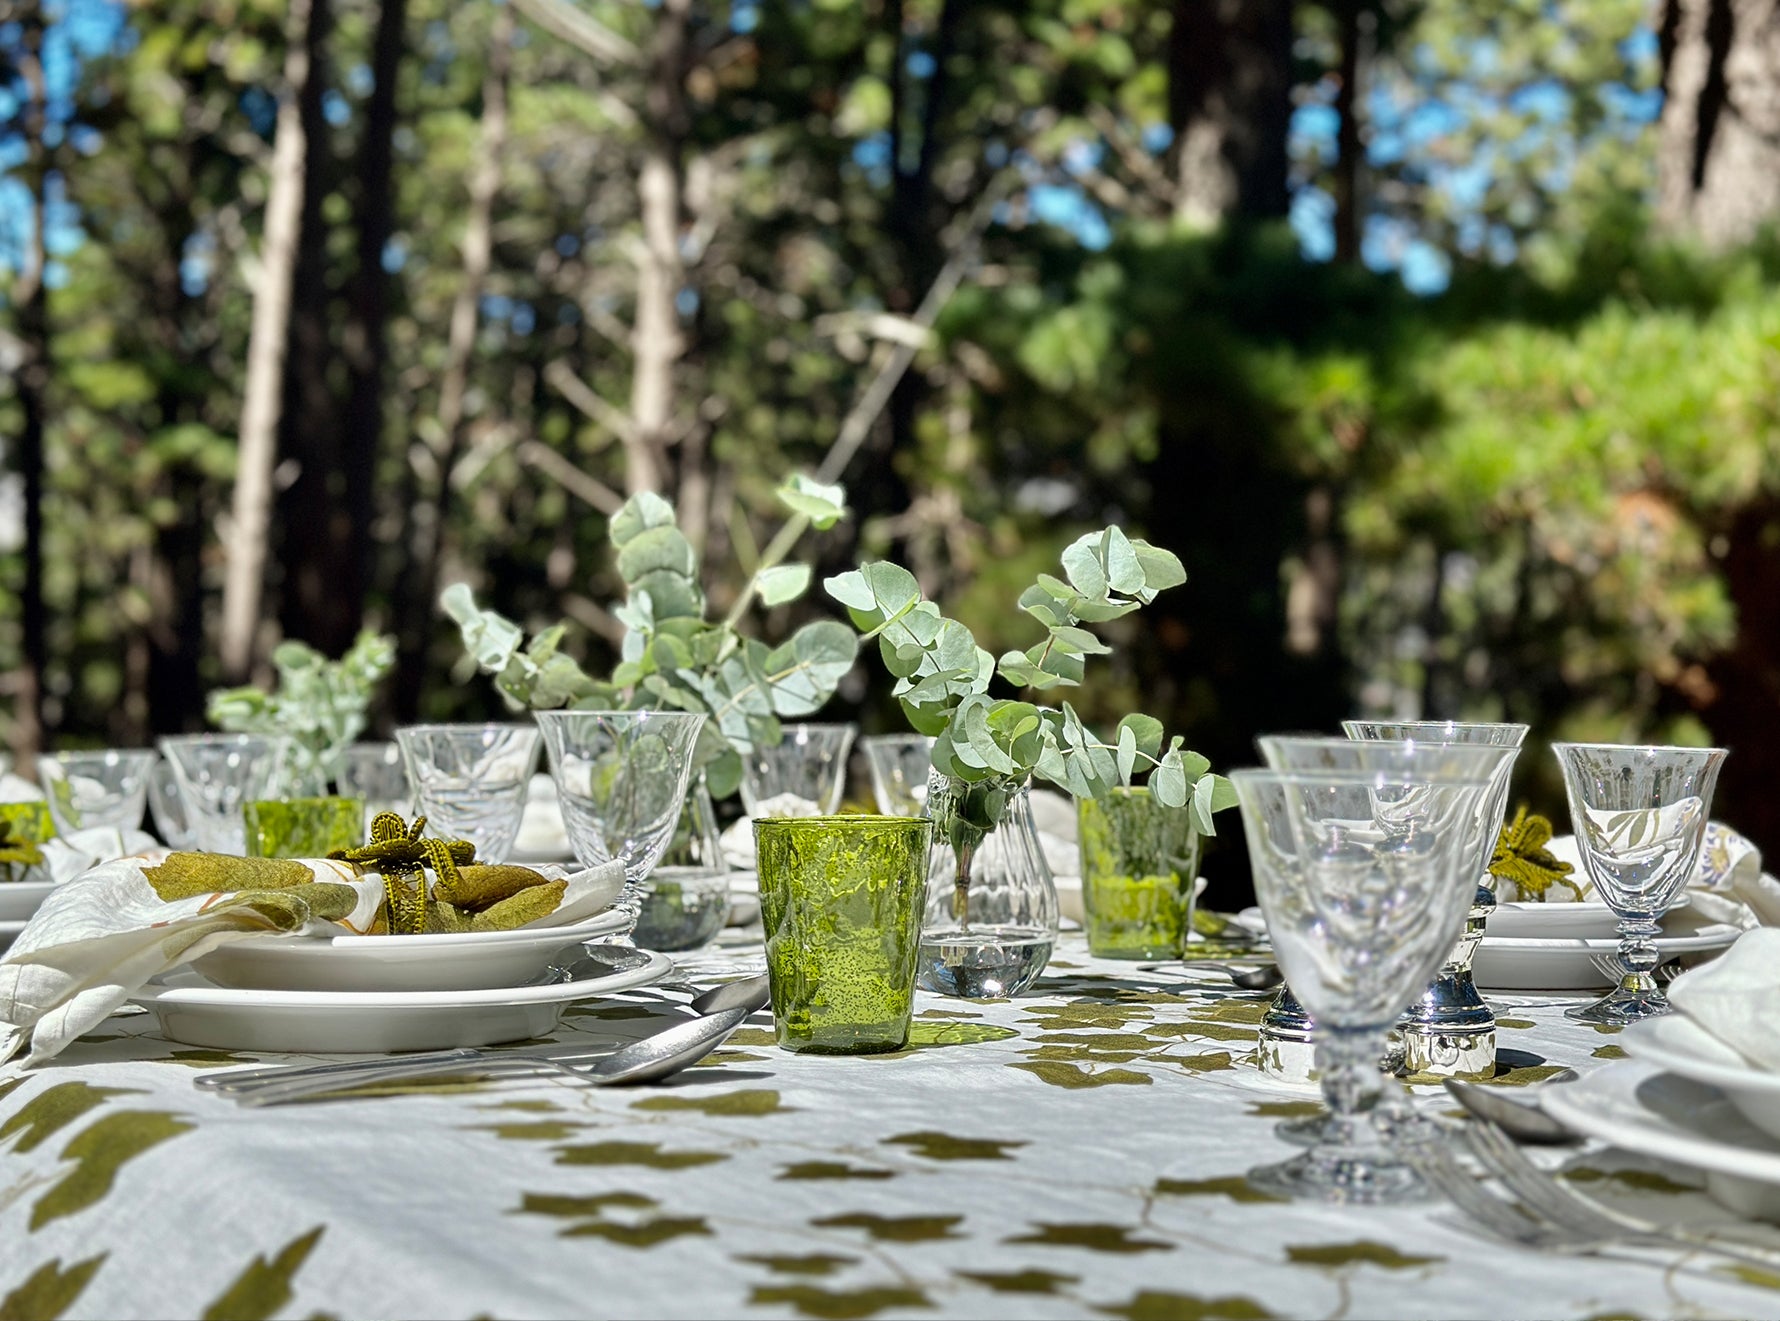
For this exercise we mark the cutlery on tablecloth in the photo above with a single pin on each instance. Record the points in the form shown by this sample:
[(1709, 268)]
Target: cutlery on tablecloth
[(748, 993), (1521, 1118), (648, 1060)]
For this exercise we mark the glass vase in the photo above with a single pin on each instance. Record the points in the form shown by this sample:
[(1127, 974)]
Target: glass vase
[(686, 897), (1140, 860), (991, 904)]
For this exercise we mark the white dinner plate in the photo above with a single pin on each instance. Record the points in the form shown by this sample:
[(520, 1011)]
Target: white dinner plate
[(1634, 1105), (1586, 920), (198, 1012), (1506, 964), (20, 899), (1676, 1043), (468, 961)]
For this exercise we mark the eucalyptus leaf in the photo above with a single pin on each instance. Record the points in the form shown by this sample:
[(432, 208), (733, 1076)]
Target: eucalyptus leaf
[(783, 583)]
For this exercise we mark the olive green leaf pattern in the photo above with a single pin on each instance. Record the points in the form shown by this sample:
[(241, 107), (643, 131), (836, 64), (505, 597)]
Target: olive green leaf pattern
[(838, 1305), (263, 1288), (1059, 1074), (1151, 1305), (814, 1264), (49, 1291), (943, 1146), (1361, 1252), (1026, 1281), (1285, 1109), (895, 1229), (751, 1104), (1643, 1181), (832, 1169), (623, 1218), (1093, 1237), (647, 1154), (533, 1130), (99, 1151), (1609, 1052), (53, 1109)]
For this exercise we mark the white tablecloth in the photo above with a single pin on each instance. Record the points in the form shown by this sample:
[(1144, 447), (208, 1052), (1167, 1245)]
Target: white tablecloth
[(1078, 1151)]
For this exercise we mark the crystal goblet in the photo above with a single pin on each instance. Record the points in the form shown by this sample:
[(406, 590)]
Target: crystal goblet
[(802, 774), (1286, 752), (1362, 879), (621, 779), (87, 789), (1640, 816), (219, 774), (900, 764), (470, 781), (376, 773), (167, 809)]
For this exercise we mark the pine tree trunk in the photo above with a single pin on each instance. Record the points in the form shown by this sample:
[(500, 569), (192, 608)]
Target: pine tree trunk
[(1229, 89), (1718, 162), (30, 299), (656, 342), (427, 546), (251, 511), (1347, 133)]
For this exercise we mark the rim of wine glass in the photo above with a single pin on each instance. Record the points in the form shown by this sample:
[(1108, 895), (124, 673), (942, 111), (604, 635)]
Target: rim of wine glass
[(885, 740), (110, 755), (1393, 778), (449, 727), (1478, 752), (217, 740), (821, 726), (655, 713), (1431, 726), (843, 819), (1642, 747)]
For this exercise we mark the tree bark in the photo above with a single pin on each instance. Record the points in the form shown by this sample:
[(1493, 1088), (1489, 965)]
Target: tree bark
[(656, 342), (1718, 161), (366, 341), (1229, 89), (250, 524), (30, 299), (1745, 687), (1347, 132), (447, 437), (318, 600)]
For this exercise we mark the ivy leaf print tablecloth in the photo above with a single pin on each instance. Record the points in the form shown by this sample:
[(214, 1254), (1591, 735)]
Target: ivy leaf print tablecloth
[(1079, 1151)]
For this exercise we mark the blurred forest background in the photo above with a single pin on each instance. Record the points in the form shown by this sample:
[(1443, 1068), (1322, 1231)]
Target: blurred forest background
[(1440, 339)]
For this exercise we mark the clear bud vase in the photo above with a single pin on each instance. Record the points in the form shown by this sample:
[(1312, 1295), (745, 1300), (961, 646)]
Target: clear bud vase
[(991, 904)]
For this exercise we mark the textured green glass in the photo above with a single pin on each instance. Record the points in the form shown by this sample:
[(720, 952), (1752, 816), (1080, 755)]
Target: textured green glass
[(1139, 861), (30, 821), (841, 900), (303, 827)]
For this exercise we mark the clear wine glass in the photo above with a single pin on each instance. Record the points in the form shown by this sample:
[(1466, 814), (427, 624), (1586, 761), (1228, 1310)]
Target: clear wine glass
[(1363, 880), (803, 774), (1411, 756), (1640, 816), (621, 779), (470, 781), (218, 774), (87, 789), (900, 764)]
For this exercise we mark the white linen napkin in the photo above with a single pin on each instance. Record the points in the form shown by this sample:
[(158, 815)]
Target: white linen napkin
[(100, 936), (1736, 997), (17, 789), (1727, 885)]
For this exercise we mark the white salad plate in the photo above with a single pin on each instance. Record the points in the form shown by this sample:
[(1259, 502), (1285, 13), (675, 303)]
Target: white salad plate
[(1678, 1044), (197, 1012), (1637, 1107), (1573, 964), (20, 899), (469, 961)]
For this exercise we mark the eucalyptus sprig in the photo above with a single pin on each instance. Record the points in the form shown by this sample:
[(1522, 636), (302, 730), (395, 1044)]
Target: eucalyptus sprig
[(943, 677), (320, 704), (671, 655)]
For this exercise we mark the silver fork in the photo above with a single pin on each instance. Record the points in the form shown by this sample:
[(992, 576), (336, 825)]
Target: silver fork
[(1544, 1213)]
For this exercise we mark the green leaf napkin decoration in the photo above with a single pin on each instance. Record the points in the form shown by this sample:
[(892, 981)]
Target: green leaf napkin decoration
[(1522, 858), (17, 850)]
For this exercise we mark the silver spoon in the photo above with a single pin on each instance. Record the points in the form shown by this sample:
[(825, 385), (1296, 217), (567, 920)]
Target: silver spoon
[(1521, 1120), (654, 1057), (1262, 978), (749, 993)]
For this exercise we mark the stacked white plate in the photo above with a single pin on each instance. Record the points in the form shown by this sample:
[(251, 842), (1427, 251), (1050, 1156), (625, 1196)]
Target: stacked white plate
[(1686, 1097), (344, 994), (1570, 947)]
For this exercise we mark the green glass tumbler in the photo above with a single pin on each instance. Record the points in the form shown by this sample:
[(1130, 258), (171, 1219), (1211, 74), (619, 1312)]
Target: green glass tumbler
[(303, 827), (1139, 862), (841, 899), (30, 821)]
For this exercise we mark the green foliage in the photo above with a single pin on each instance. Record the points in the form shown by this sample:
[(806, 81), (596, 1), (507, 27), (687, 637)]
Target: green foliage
[(673, 656), (942, 681), (319, 704)]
